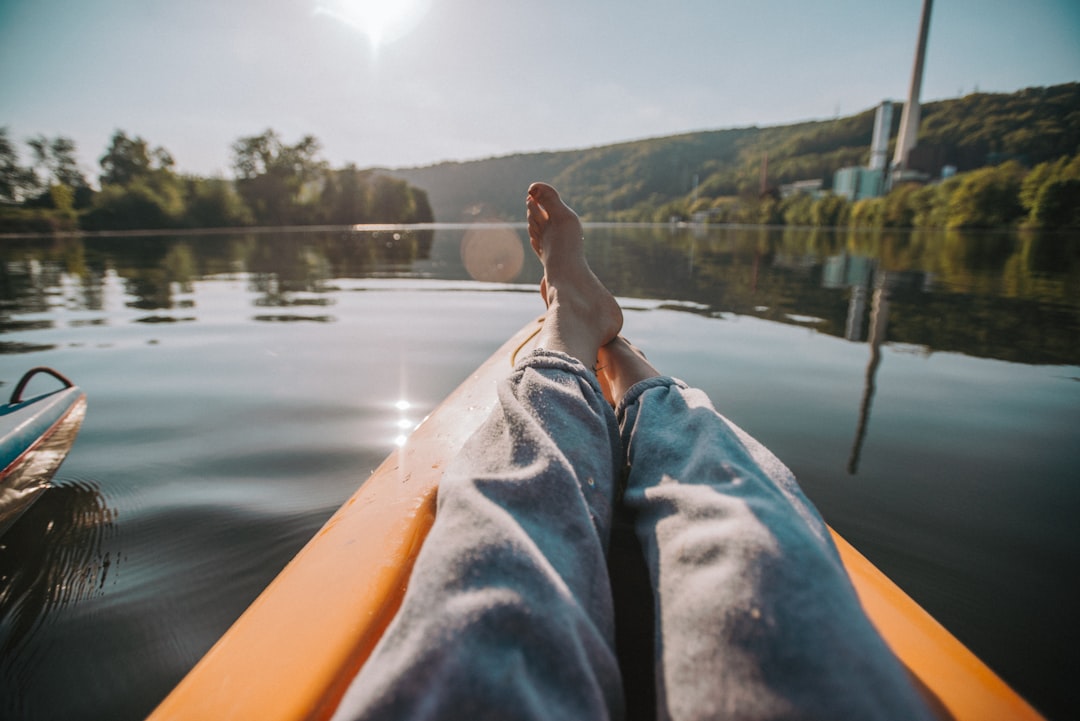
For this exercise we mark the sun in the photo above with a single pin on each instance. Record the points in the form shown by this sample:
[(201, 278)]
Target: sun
[(381, 21)]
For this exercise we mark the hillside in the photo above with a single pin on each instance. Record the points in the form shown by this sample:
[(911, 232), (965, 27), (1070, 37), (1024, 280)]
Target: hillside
[(644, 180)]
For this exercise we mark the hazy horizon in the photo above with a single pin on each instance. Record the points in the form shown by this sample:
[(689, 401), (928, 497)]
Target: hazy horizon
[(420, 82)]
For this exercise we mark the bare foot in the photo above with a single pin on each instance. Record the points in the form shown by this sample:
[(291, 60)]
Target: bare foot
[(620, 366), (582, 314)]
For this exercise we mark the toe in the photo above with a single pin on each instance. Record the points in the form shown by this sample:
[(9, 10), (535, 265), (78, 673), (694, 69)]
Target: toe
[(537, 219), (545, 195), (539, 190)]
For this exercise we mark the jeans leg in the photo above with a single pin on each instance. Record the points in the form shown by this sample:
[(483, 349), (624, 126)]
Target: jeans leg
[(755, 615), (508, 613)]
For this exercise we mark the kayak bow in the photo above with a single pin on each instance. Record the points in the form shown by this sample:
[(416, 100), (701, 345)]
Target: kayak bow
[(294, 651), (35, 436)]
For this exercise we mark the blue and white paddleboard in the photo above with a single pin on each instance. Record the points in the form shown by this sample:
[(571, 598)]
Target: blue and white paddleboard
[(36, 434)]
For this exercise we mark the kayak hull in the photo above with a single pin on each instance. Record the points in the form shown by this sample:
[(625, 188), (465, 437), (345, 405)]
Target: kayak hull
[(294, 651)]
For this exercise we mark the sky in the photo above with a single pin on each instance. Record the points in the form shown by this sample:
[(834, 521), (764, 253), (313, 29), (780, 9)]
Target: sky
[(403, 83)]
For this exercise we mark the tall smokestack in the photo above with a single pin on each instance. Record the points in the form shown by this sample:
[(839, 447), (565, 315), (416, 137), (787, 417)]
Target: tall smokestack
[(879, 146), (909, 119)]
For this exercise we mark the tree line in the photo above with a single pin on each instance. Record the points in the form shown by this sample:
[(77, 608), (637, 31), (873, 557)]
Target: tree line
[(1015, 154), (1006, 195), (655, 179), (1018, 157), (275, 183)]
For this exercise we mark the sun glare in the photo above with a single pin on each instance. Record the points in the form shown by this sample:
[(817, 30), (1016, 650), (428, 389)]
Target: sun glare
[(381, 21)]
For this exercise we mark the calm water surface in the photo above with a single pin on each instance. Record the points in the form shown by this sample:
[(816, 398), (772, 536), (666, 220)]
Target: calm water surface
[(924, 388)]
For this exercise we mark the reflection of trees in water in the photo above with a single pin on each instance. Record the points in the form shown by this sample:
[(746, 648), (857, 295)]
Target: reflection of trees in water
[(53, 556), (26, 283), (278, 266), (1036, 270), (980, 295), (154, 287), (286, 263), (155, 269), (1001, 295)]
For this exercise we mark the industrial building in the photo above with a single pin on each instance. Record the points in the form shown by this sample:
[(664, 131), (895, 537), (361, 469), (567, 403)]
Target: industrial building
[(856, 183)]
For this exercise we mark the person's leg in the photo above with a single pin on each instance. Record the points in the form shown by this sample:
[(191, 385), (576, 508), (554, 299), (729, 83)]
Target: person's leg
[(508, 613), (582, 314), (755, 615)]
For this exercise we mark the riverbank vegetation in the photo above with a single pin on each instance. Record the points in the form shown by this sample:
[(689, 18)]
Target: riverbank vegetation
[(276, 184), (718, 174), (1001, 196), (1016, 159)]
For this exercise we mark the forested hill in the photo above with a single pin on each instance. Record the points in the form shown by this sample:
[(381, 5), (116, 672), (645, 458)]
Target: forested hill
[(653, 179)]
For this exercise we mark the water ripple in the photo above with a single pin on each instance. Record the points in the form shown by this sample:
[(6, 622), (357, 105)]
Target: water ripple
[(55, 555)]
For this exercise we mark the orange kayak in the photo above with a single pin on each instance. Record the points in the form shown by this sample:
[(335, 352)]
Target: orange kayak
[(292, 654)]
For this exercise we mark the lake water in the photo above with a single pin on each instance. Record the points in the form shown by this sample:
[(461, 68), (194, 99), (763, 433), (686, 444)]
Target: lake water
[(241, 386)]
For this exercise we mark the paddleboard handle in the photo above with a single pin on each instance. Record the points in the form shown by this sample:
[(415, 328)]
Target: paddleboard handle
[(16, 396)]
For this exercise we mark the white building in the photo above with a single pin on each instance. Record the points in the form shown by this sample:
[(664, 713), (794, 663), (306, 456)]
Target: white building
[(856, 183)]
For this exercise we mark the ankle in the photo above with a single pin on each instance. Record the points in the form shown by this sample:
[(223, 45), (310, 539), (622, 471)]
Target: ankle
[(623, 366)]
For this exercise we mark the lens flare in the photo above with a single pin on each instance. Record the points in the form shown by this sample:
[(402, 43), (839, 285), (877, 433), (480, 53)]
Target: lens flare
[(492, 253), (381, 21)]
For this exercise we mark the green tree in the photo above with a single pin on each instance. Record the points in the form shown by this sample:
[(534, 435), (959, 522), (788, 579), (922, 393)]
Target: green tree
[(279, 182), (395, 201), (867, 213), (1036, 178), (931, 204), (16, 181), (767, 211), (128, 159), (138, 205), (138, 188), (797, 209), (214, 203), (346, 197), (1057, 205), (62, 198), (830, 211), (1047, 194), (57, 158), (899, 207), (987, 197), (422, 212)]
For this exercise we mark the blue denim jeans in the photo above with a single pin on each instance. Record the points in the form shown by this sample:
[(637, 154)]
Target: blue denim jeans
[(509, 611)]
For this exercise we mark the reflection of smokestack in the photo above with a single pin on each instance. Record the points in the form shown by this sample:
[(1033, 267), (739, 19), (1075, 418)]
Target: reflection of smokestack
[(879, 146), (879, 321), (909, 119)]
